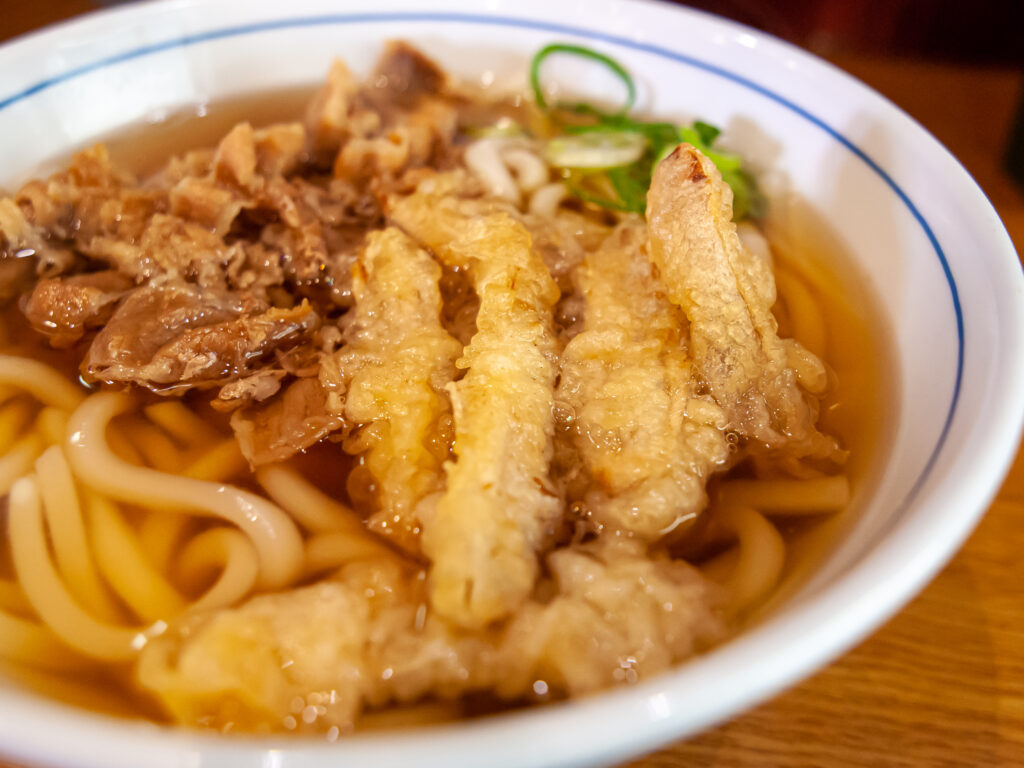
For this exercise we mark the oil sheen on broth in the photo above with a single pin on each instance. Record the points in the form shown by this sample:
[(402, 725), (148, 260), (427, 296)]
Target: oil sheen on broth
[(372, 529)]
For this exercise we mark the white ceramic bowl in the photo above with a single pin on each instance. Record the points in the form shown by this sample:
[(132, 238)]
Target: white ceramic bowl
[(945, 273)]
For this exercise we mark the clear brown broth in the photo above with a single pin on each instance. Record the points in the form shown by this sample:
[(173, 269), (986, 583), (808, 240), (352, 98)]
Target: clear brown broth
[(858, 409)]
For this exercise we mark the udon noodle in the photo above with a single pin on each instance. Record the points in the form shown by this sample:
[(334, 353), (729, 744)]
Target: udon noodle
[(367, 420)]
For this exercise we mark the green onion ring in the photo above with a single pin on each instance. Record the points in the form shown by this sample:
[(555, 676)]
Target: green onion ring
[(586, 53)]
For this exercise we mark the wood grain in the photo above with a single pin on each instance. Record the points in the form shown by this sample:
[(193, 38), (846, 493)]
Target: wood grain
[(942, 685)]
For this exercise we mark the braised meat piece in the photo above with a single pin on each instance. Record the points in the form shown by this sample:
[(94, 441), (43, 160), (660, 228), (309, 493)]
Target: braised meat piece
[(171, 336), (290, 423), (65, 308)]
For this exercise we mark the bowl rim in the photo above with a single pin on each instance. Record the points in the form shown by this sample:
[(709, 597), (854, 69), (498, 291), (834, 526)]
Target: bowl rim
[(822, 634)]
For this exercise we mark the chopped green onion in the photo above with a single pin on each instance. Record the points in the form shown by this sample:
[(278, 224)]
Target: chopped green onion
[(747, 199), (596, 150), (586, 53), (707, 132), (656, 133), (631, 185), (588, 197), (617, 154)]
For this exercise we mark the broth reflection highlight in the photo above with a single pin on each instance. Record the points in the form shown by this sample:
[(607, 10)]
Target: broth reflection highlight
[(368, 419)]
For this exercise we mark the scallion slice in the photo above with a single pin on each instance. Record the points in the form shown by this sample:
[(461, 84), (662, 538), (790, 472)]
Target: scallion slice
[(596, 150), (610, 157), (587, 53)]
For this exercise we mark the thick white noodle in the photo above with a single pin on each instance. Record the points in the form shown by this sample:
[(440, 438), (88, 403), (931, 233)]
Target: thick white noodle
[(531, 173), (125, 566), (229, 551), (66, 524), (18, 461), (314, 510), (751, 576), (26, 642), (327, 551), (786, 496), (41, 381), (14, 417), (272, 532), (44, 589), (545, 201), (185, 426), (12, 599), (483, 158)]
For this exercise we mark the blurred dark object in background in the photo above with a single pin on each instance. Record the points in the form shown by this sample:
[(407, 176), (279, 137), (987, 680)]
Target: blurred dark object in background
[(20, 16), (978, 32), (980, 35), (1015, 148), (983, 33)]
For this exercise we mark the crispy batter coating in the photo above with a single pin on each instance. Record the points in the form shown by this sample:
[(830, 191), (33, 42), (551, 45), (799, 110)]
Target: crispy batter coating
[(392, 373), (727, 294), (647, 442), (484, 533), (491, 367), (360, 641)]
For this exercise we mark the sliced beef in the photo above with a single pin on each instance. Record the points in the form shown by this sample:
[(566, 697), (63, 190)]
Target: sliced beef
[(317, 238), (252, 389), (291, 422), (327, 115), (20, 240), (44, 210), (207, 203), (403, 118), (169, 246), (247, 158), (237, 177), (403, 76), (280, 149), (235, 160), (174, 335), (16, 276), (419, 139), (91, 199), (65, 308)]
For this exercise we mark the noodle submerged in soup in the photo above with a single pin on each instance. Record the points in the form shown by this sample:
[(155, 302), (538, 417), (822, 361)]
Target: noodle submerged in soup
[(379, 418)]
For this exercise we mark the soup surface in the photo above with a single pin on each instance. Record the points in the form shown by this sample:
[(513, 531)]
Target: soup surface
[(410, 408)]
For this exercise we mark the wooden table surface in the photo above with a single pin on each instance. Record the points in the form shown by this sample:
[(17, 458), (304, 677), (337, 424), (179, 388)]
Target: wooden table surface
[(942, 684)]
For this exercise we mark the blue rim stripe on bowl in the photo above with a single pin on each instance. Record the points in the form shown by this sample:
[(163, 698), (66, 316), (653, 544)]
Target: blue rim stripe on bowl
[(563, 29)]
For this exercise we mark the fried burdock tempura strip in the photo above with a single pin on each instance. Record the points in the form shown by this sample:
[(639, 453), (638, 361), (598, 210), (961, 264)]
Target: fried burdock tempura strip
[(647, 442), (727, 293), (393, 369), (483, 535)]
